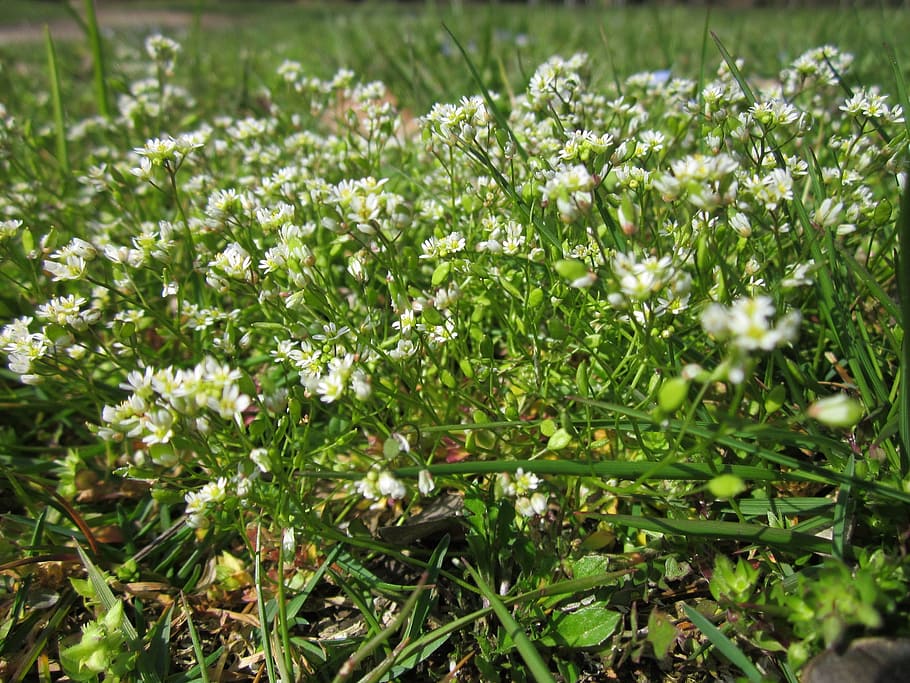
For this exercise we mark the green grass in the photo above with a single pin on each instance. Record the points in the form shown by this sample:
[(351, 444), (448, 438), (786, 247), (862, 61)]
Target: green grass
[(311, 378)]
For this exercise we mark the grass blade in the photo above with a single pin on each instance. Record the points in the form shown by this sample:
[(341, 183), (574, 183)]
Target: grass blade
[(159, 643), (733, 531), (756, 507), (105, 595), (260, 605), (526, 648), (45, 635), (723, 644), (902, 96), (57, 102), (572, 587), (194, 636), (491, 103), (109, 601), (841, 535), (425, 600), (365, 650), (903, 283), (98, 71)]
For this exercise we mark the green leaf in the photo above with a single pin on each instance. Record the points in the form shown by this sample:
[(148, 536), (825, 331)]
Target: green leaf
[(548, 427), (672, 394), (775, 399), (661, 633), (390, 447), (441, 273), (559, 440), (588, 627), (726, 486), (590, 565), (571, 269)]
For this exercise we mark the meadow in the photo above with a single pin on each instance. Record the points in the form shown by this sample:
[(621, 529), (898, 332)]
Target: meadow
[(452, 342)]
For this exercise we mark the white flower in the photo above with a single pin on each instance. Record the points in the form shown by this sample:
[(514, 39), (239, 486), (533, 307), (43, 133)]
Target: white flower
[(195, 503), (535, 505), (524, 482), (331, 387), (158, 426), (73, 268), (288, 542), (260, 458), (360, 384), (231, 404), (425, 483), (214, 491), (389, 486)]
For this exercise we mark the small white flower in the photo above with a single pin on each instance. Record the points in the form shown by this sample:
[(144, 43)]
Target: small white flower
[(523, 483), (214, 491), (331, 387), (425, 483), (260, 458), (389, 486), (289, 543), (231, 404)]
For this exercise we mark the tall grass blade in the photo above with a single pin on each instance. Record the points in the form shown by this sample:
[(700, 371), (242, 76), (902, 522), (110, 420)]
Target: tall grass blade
[(756, 534), (194, 637), (570, 587), (104, 593), (99, 78), (734, 70), (903, 284), (861, 273), (841, 532), (260, 605), (42, 642), (501, 120), (902, 97), (425, 599), (526, 649), (365, 650), (723, 644), (57, 102), (159, 643), (282, 627)]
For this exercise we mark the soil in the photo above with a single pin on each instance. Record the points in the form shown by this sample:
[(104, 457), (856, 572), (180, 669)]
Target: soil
[(109, 18)]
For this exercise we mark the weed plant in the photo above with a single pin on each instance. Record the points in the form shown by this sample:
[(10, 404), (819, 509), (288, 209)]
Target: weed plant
[(589, 378)]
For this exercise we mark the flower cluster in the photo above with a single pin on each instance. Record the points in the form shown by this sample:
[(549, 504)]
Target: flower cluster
[(168, 400), (262, 294)]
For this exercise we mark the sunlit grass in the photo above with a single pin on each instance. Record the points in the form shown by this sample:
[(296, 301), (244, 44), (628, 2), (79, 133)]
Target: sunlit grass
[(393, 347)]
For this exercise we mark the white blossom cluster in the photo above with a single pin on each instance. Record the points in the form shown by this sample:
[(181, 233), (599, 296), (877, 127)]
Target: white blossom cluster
[(276, 289)]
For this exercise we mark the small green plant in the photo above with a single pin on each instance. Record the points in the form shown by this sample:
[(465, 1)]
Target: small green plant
[(827, 601), (100, 650)]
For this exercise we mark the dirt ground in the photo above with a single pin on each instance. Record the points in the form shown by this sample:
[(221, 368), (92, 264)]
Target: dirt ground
[(109, 18)]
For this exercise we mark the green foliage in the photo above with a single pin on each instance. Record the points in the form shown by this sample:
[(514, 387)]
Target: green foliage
[(467, 358), (100, 651), (827, 600), (733, 584)]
